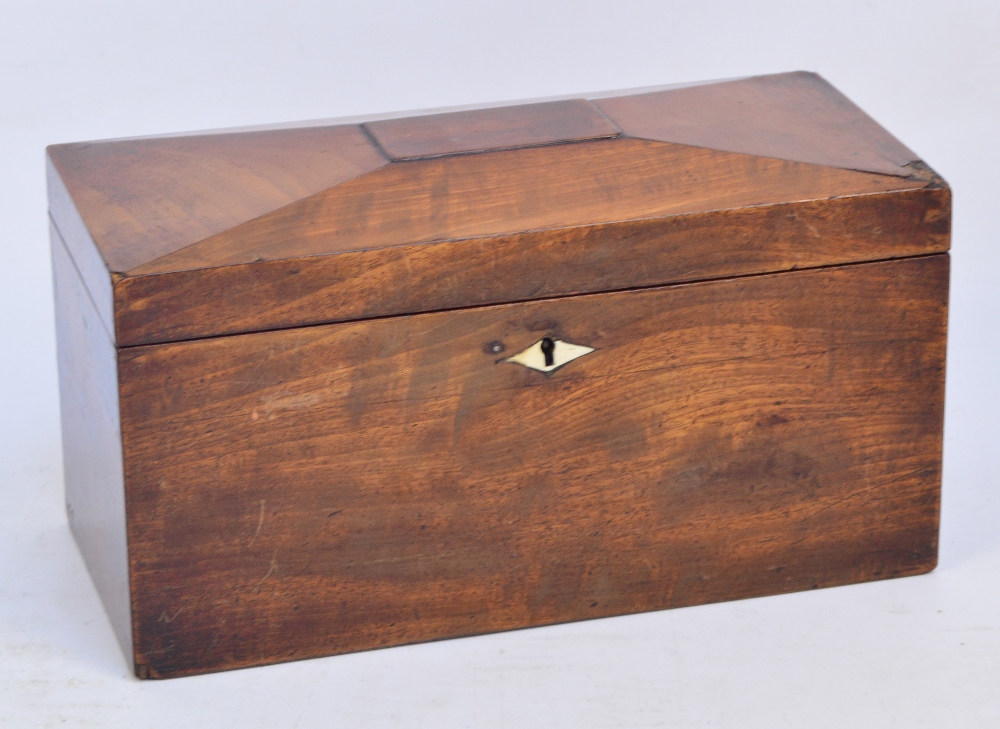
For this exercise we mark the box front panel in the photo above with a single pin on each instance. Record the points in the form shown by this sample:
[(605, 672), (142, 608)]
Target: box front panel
[(335, 488)]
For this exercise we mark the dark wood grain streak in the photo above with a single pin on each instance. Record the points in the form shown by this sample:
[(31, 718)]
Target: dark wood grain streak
[(91, 435), (504, 127), (534, 264), (794, 116), (350, 486)]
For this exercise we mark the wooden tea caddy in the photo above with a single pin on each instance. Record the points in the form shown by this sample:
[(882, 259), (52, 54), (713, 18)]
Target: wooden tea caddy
[(340, 386)]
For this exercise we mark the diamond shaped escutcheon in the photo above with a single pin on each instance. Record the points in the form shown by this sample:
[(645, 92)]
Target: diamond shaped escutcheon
[(547, 355)]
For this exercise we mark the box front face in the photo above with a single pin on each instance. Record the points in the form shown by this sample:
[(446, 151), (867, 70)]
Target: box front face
[(321, 490)]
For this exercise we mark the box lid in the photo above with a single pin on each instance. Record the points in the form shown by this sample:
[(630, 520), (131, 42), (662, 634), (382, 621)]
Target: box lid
[(209, 234)]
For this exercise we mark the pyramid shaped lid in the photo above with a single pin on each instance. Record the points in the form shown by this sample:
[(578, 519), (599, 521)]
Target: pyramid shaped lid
[(219, 233)]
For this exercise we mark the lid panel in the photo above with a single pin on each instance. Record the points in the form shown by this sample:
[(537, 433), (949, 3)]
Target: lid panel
[(794, 116), (144, 198), (470, 196), (505, 127), (220, 233)]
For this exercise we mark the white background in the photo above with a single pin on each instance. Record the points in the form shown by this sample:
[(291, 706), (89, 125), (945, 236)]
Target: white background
[(916, 652)]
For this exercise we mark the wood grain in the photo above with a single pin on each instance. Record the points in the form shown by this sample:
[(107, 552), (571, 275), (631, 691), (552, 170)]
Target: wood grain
[(91, 436), (143, 198), (535, 264), (522, 125), (793, 116), (344, 487)]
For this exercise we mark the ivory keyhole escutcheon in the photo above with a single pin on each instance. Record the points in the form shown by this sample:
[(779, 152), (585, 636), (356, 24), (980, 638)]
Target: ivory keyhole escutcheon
[(548, 354)]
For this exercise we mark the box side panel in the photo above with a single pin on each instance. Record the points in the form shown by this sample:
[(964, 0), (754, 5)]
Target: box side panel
[(91, 433), (352, 486)]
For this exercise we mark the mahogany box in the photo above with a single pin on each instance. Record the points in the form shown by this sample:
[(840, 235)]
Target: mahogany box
[(338, 386)]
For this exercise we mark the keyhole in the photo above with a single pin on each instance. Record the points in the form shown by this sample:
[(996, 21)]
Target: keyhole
[(548, 349)]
